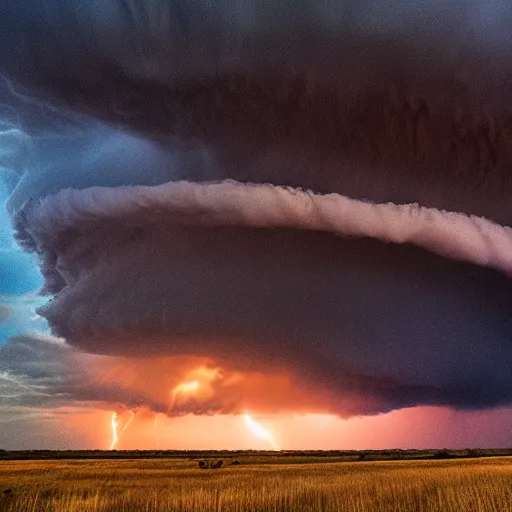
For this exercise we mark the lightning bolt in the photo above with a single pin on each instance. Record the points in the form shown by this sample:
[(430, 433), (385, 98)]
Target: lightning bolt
[(114, 430), (259, 431), (128, 422), (154, 431)]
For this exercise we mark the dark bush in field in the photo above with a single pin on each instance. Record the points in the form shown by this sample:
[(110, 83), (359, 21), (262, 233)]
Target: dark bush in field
[(210, 464)]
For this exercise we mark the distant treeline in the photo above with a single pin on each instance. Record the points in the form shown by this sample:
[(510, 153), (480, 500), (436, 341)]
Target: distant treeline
[(257, 456)]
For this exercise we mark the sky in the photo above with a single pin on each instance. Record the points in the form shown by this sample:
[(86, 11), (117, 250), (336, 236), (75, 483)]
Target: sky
[(221, 228)]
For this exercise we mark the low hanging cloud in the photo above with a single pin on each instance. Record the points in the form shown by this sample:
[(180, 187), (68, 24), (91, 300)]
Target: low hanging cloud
[(392, 322), (337, 215), (45, 372)]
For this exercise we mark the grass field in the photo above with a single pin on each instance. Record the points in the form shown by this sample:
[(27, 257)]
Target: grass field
[(256, 485)]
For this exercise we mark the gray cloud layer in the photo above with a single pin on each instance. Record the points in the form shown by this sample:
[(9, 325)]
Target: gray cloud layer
[(379, 103), (45, 372), (34, 372)]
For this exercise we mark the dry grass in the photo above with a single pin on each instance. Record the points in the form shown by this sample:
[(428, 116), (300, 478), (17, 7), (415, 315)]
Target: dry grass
[(179, 485)]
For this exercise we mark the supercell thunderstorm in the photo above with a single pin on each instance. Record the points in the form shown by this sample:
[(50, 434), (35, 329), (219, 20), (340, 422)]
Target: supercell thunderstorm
[(323, 193)]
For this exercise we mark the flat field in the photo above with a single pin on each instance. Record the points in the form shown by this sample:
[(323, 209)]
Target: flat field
[(256, 484)]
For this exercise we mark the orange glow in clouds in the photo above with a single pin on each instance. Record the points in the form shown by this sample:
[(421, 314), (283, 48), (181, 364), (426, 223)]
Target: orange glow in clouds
[(178, 386), (187, 386), (199, 404), (184, 387)]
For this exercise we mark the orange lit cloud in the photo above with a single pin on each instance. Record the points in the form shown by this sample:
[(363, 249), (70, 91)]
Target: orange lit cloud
[(55, 389), (177, 386), (44, 371)]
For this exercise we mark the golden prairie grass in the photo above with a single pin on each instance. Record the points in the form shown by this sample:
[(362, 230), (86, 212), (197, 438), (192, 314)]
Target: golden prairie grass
[(169, 485)]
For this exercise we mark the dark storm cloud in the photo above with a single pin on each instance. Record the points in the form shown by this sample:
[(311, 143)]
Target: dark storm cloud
[(369, 100), (403, 103), (386, 321)]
